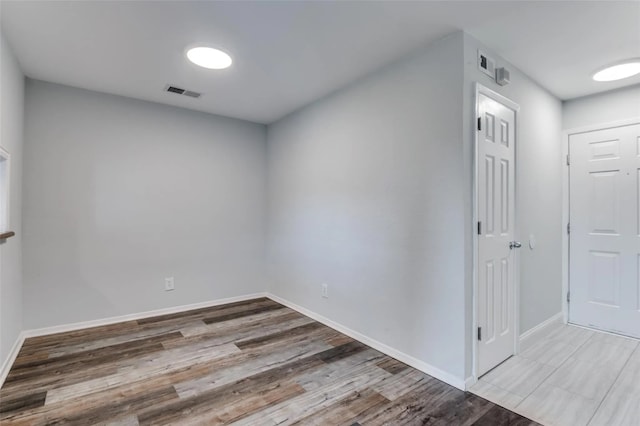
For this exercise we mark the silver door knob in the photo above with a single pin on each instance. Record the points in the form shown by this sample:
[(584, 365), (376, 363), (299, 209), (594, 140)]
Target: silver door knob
[(514, 244)]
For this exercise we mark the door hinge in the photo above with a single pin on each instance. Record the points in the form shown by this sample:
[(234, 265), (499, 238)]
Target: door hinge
[(479, 333), (479, 228), (568, 160), (479, 123), (568, 228), (568, 296)]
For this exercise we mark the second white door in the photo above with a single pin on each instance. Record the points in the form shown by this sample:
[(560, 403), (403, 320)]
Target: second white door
[(605, 229), (496, 250)]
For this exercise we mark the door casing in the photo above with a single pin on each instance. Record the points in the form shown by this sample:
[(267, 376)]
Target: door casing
[(480, 89)]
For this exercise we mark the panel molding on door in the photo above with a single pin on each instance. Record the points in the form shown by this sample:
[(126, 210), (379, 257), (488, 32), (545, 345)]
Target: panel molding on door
[(495, 209), (604, 209)]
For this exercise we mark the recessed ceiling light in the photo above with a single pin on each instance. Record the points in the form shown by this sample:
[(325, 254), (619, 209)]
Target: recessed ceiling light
[(208, 57), (618, 71)]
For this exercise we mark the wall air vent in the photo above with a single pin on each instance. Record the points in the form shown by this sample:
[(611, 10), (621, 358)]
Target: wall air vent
[(180, 91)]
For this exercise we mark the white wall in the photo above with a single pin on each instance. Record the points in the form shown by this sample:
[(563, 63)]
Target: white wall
[(602, 108), (11, 139), (539, 165), (121, 193), (366, 194), (370, 191)]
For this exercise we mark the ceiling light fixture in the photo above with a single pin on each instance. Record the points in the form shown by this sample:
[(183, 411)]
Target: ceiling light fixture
[(618, 71), (208, 57)]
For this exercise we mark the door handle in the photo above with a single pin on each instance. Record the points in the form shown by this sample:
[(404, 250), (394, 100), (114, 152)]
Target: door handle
[(514, 244)]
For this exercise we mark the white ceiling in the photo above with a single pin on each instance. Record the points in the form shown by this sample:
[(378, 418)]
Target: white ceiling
[(287, 54)]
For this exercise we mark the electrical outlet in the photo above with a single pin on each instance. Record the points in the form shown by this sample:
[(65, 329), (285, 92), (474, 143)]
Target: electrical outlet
[(325, 291), (168, 284)]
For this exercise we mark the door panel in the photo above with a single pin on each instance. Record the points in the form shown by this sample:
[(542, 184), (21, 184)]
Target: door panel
[(496, 206), (604, 185), (604, 277), (604, 202)]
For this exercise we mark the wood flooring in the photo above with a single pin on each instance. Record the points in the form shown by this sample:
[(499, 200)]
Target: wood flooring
[(247, 363)]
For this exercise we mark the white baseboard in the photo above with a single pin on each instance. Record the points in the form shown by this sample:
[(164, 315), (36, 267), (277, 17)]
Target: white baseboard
[(470, 382), (401, 356), (539, 332), (13, 354), (388, 350), (132, 317)]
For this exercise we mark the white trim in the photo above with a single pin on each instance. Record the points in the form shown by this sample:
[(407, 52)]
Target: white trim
[(401, 356), (563, 231), (13, 354), (131, 317), (603, 126), (539, 332), (480, 89), (471, 380), (6, 214), (388, 350), (566, 208)]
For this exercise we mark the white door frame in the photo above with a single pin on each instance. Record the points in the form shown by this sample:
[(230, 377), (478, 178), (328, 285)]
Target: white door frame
[(5, 215), (480, 89), (566, 134)]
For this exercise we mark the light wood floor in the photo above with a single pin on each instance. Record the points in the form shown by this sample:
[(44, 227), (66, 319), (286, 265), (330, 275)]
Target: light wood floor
[(253, 363), (573, 377)]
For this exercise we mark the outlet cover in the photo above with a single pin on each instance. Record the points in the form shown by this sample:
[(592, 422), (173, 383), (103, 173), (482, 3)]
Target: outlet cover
[(325, 291), (168, 284)]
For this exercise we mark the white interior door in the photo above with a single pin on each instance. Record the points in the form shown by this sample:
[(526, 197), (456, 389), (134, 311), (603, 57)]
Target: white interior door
[(604, 266), (496, 257)]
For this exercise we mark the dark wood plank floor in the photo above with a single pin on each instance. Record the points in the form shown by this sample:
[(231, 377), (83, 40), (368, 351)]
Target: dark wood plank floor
[(246, 363)]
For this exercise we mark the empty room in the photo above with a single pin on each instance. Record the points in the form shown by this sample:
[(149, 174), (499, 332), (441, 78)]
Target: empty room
[(320, 212)]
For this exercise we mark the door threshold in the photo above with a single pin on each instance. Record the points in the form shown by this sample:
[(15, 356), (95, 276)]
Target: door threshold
[(599, 330)]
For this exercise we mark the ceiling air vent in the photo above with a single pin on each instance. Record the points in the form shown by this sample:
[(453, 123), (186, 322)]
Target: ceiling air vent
[(180, 91)]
